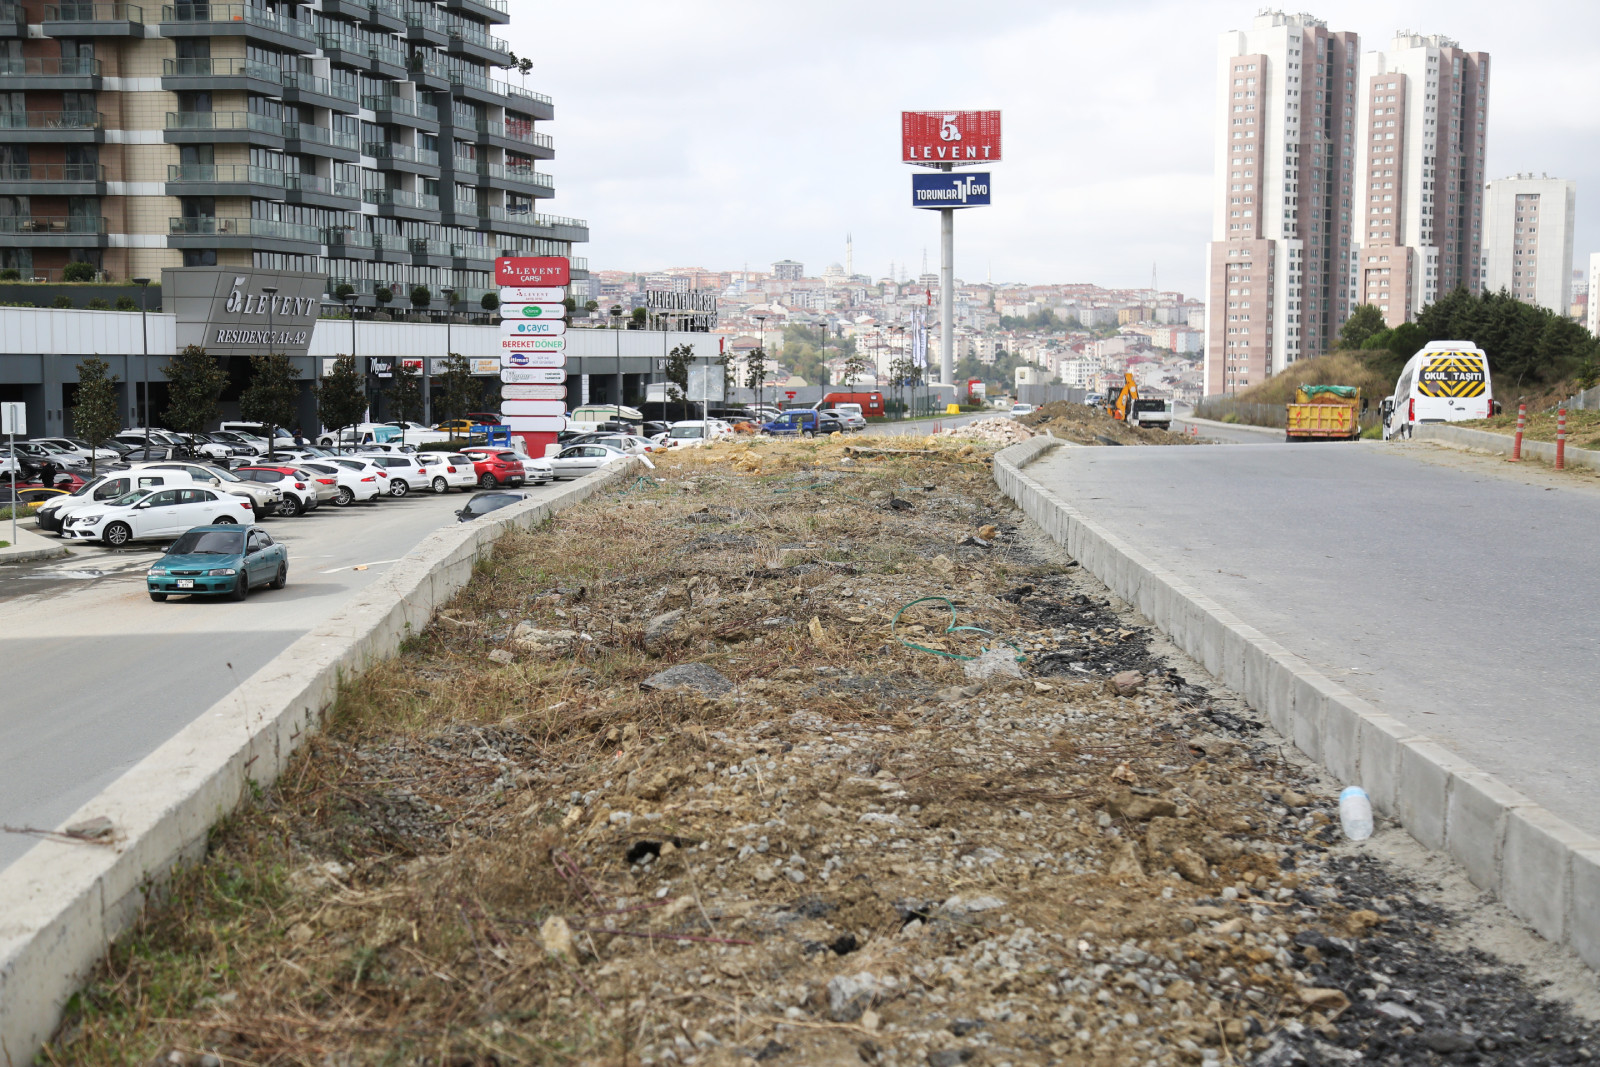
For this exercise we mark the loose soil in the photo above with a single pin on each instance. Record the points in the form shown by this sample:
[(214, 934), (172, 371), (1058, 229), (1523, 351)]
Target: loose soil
[(1093, 426), (858, 853)]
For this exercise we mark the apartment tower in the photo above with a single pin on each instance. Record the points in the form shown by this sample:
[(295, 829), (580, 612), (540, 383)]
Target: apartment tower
[(1425, 106), (367, 140), (1527, 244)]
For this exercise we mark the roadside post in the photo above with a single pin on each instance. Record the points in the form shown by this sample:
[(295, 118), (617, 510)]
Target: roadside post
[(1522, 422), (13, 420), (533, 347), (1561, 440)]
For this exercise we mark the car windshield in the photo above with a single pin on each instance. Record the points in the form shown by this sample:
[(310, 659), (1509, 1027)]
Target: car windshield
[(88, 487), (128, 499), (687, 431), (208, 543), (219, 473), (481, 504)]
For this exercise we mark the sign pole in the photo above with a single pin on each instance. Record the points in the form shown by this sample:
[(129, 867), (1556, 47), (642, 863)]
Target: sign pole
[(11, 441), (947, 303)]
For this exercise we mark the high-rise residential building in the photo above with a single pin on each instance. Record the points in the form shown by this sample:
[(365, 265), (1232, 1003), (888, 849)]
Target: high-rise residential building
[(367, 140), (787, 270), (1277, 268), (1424, 110), (1527, 244)]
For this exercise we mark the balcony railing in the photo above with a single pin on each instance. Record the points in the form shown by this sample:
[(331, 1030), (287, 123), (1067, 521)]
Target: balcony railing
[(224, 173), (466, 207), (305, 131), (311, 83), (91, 12), (207, 226), (349, 238), (557, 220), (52, 120), (315, 183), (507, 89), (399, 105), (465, 164), (386, 150), (470, 33), (526, 175), (516, 131), (426, 18), (486, 253), (52, 172), (224, 120), (52, 224), (50, 67), (401, 198), (221, 68), (250, 15), (421, 246), (498, 5), (579, 263), (383, 7), (382, 53), (429, 63)]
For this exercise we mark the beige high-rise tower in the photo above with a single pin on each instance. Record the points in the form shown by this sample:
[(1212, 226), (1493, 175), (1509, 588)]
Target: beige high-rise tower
[(1424, 106), (1528, 239), (1277, 267)]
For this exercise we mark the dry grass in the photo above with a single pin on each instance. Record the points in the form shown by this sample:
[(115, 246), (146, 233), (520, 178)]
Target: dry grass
[(1583, 427), (1335, 368)]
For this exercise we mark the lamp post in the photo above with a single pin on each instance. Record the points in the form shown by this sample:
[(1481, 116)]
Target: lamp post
[(349, 302), (449, 321), (761, 343), (272, 336), (144, 369)]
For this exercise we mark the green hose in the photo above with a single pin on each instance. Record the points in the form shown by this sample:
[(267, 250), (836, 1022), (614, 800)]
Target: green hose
[(951, 629)]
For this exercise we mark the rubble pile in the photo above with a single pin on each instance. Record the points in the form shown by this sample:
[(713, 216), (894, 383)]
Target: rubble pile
[(1093, 426), (810, 757), (995, 431)]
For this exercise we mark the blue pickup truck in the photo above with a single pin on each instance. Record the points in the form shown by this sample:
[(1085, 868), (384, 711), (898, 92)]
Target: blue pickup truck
[(803, 422)]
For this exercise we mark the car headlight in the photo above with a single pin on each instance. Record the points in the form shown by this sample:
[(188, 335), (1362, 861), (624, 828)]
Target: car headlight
[(90, 520), (221, 571), (156, 570)]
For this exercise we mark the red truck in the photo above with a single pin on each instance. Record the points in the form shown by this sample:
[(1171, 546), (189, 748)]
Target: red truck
[(871, 404)]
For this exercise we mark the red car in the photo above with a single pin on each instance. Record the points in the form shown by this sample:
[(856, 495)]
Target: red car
[(495, 467)]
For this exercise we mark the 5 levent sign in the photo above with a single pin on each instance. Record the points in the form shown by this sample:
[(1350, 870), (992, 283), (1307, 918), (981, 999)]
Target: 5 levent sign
[(533, 357)]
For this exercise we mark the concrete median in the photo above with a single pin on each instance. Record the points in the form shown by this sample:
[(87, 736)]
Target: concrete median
[(1500, 444), (1544, 869), (66, 900)]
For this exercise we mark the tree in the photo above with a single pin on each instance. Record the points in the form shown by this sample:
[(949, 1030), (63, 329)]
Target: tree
[(1363, 322), (420, 297), (855, 365), (490, 302), (679, 360), (78, 272), (639, 316), (405, 393), (461, 392), (755, 371), (729, 381), (95, 417), (270, 397), (342, 396), (194, 382), (591, 306)]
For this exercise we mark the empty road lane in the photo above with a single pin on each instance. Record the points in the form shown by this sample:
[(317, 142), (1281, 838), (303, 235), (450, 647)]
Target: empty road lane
[(1453, 594)]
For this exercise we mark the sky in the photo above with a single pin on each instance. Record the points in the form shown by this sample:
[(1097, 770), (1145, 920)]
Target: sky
[(708, 133)]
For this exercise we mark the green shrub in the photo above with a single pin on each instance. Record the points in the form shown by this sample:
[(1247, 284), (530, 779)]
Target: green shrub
[(490, 302), (383, 294), (420, 297), (63, 301), (78, 272), (1231, 417), (99, 303), (10, 274), (127, 303)]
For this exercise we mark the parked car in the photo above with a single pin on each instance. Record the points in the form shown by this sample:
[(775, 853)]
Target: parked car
[(363, 465), (630, 443), (853, 421), (299, 488), (578, 460), (45, 452), (219, 560), (352, 485), (1020, 408), (83, 448), (405, 472), (449, 470), (156, 454), (157, 513), (483, 503), (692, 433), (28, 498), (52, 516), (803, 422), (496, 466), (250, 444), (266, 498)]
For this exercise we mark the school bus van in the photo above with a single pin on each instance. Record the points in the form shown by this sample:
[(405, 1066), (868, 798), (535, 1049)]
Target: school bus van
[(1447, 381)]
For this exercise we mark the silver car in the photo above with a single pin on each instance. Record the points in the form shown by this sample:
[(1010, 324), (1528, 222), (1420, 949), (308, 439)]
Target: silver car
[(578, 460)]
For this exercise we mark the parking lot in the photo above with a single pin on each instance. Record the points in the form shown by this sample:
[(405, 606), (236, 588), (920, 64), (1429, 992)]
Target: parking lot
[(112, 675)]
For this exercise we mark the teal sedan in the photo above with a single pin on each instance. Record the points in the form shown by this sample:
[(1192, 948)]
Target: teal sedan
[(225, 560)]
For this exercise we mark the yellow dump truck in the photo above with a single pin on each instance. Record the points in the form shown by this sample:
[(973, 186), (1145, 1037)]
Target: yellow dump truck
[(1325, 413)]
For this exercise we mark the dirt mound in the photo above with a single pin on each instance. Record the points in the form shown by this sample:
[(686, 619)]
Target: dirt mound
[(994, 431), (1093, 426)]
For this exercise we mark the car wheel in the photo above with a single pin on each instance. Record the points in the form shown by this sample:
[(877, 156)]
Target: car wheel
[(118, 534), (346, 497), (222, 520), (441, 486), (488, 481), (290, 506), (399, 488), (241, 589), (283, 576), (159, 598), (808, 433)]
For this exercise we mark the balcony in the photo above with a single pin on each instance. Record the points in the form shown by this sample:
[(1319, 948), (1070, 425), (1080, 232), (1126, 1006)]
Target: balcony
[(496, 11), (538, 105), (224, 127), (426, 26), (517, 137), (310, 89), (429, 71), (198, 18), (387, 61), (460, 213), (517, 179), (473, 256), (390, 156), (59, 127), (52, 179), (530, 224), (317, 191), (429, 252), (400, 204), (468, 84), (90, 20), (213, 75), (206, 179), (50, 73), (14, 20), (54, 231), (467, 39), (344, 243), (399, 110), (304, 138), (262, 235), (466, 170), (380, 15)]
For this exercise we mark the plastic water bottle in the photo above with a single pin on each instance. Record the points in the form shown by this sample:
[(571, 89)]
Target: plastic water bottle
[(1355, 813)]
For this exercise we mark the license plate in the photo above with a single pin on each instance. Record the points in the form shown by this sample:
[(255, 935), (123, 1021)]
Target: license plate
[(185, 583)]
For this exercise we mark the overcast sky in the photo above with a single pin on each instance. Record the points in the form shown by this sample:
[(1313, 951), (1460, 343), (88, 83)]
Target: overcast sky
[(717, 134)]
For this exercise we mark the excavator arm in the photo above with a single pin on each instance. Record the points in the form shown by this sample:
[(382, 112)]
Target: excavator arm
[(1123, 407)]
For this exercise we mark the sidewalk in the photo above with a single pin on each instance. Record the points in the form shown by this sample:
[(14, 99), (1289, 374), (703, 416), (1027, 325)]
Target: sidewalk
[(28, 545)]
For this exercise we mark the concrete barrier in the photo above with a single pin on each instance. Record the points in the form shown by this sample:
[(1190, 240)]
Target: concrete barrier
[(1544, 869), (1500, 444), (65, 901)]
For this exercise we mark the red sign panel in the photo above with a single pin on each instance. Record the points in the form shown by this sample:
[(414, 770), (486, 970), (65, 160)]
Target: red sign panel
[(520, 271), (964, 138)]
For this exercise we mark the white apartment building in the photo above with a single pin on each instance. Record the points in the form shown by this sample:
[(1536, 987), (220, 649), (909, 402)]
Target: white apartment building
[(1424, 113), (1277, 266), (1527, 245)]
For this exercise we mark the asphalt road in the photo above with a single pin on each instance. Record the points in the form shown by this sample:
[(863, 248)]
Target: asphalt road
[(1222, 433), (97, 675), (1452, 593)]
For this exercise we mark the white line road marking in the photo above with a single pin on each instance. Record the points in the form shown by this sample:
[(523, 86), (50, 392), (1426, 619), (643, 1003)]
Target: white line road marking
[(361, 566)]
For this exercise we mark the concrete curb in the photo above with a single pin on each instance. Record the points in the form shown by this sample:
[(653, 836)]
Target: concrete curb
[(1544, 869), (65, 902), (29, 546), (1501, 443), (1270, 431)]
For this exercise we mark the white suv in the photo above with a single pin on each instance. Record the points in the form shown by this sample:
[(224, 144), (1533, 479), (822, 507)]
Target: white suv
[(405, 472), (449, 470), (52, 517)]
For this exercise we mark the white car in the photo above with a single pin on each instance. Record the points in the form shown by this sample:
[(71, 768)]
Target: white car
[(157, 513), (301, 490), (851, 420), (258, 445), (405, 473), (82, 448), (266, 498), (577, 460), (1021, 409), (449, 470), (52, 517), (692, 433), (352, 485), (363, 465)]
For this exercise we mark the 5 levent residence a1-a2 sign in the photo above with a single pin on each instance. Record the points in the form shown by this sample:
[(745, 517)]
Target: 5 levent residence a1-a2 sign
[(533, 356)]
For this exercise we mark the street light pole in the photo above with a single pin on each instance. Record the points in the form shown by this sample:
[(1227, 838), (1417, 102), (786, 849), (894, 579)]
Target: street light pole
[(350, 307), (761, 343), (144, 369), (270, 291)]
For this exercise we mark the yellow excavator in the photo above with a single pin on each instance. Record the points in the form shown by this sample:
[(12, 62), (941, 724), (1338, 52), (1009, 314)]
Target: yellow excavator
[(1120, 402)]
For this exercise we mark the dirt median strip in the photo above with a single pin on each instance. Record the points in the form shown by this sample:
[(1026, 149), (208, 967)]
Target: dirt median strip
[(680, 778)]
